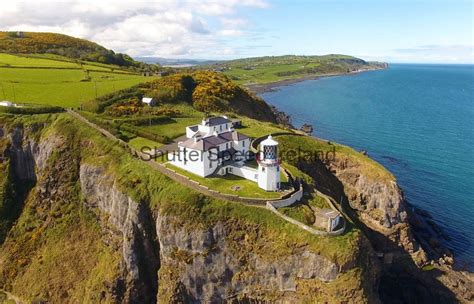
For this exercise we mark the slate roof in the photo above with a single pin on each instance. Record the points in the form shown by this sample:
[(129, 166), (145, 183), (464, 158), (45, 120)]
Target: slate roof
[(206, 143), (233, 135), (215, 121)]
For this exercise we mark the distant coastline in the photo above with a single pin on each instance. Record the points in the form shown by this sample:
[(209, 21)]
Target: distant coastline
[(260, 88)]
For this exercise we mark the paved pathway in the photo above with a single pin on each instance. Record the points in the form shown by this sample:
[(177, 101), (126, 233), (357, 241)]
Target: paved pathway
[(172, 146)]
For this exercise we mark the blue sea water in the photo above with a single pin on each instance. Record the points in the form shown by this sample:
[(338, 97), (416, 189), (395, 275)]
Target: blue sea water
[(416, 120)]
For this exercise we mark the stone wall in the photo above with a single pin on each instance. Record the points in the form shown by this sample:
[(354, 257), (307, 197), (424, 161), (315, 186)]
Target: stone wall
[(295, 197)]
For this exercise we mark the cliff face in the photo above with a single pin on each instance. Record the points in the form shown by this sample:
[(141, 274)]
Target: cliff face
[(212, 269), (370, 196), (82, 235), (131, 223), (198, 265), (379, 204)]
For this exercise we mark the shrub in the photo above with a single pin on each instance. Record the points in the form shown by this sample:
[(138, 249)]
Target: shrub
[(31, 110)]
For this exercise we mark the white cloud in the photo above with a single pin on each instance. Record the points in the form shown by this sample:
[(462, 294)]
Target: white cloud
[(230, 33), (437, 53), (151, 28), (454, 54)]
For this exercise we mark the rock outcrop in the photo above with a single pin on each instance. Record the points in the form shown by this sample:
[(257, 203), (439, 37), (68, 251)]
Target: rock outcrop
[(21, 155), (129, 220), (380, 205), (211, 271)]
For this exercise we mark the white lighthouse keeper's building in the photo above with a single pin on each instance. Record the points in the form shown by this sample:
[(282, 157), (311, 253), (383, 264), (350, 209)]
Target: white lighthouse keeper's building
[(268, 165)]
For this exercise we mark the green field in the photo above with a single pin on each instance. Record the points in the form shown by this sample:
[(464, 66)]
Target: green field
[(59, 81), (260, 70)]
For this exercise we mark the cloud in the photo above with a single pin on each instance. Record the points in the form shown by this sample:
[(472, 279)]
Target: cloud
[(435, 53), (230, 33), (152, 28)]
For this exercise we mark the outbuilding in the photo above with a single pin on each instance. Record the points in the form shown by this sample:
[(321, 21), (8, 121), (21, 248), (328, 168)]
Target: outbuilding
[(6, 104), (149, 101), (327, 219)]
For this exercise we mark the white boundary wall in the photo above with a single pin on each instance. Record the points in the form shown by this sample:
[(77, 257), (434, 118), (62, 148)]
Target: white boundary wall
[(245, 172), (295, 197)]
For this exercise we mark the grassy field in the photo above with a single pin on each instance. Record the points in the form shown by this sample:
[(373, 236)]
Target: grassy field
[(58, 81), (260, 70)]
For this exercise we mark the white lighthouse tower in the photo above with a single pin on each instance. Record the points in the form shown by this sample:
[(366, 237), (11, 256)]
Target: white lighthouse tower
[(268, 165)]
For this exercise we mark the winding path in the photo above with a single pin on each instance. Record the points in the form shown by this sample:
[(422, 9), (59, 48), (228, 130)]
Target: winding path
[(266, 203)]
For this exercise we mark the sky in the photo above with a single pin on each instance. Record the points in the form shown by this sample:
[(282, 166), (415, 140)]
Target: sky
[(416, 31)]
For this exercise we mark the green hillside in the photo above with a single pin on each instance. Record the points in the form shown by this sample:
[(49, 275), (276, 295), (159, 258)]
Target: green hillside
[(63, 45), (260, 70), (59, 81), (183, 94)]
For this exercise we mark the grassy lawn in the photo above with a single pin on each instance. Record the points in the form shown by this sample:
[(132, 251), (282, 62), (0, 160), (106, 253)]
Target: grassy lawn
[(225, 183), (368, 166), (69, 86), (254, 128), (139, 142), (303, 211), (174, 129), (300, 212), (23, 61)]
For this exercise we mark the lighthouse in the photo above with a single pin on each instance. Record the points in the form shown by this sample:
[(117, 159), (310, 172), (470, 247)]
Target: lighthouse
[(268, 165)]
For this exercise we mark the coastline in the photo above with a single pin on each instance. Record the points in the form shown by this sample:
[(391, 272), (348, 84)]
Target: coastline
[(425, 228), (260, 88)]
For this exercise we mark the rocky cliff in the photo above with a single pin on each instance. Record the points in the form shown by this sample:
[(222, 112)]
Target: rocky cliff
[(379, 204), (131, 222), (370, 196), (96, 225), (100, 226)]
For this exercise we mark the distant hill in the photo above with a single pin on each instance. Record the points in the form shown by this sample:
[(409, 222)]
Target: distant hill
[(269, 69), (59, 44)]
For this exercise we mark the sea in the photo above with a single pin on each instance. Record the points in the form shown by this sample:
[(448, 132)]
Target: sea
[(415, 119)]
